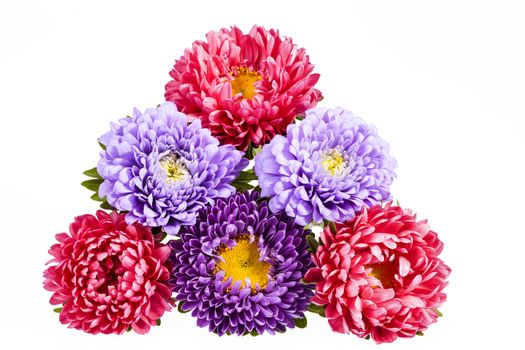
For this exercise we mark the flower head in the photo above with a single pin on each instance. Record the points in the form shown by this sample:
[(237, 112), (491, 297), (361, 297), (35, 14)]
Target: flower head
[(239, 269), (109, 276), (380, 275), (327, 167), (162, 171), (244, 87)]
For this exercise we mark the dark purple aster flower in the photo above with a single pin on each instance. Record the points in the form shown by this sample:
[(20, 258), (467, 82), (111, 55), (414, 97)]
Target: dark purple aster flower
[(327, 167), (162, 171), (239, 268)]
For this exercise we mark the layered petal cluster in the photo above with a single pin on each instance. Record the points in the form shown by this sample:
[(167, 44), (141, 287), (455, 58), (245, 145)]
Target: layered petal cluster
[(162, 170), (244, 87), (109, 276), (239, 269), (380, 274), (328, 167)]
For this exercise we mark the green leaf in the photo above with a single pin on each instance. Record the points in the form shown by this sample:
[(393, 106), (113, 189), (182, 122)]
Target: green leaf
[(158, 322), (105, 205), (251, 151), (300, 322), (246, 175), (439, 313), (254, 333), (241, 186), (57, 310), (92, 184), (102, 145), (312, 242), (92, 173), (419, 333), (317, 309), (96, 198), (333, 228), (179, 308)]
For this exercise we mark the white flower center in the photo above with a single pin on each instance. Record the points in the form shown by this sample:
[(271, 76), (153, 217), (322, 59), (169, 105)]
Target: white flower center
[(174, 168), (334, 161)]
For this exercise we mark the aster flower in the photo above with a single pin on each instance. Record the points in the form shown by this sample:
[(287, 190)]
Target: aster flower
[(239, 269), (109, 276), (244, 87), (379, 275), (162, 171), (327, 167)]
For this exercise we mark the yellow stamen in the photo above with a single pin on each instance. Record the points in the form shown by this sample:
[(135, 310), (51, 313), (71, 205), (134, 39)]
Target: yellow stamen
[(333, 162), (174, 168), (244, 82), (242, 261), (384, 272)]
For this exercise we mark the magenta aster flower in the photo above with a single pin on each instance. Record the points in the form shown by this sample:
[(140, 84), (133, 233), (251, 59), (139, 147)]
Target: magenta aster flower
[(380, 275), (109, 276), (244, 87)]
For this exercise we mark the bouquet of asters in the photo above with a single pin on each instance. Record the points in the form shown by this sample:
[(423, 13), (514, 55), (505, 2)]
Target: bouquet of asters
[(242, 202)]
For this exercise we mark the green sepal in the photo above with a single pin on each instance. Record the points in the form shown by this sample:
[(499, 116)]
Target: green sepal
[(92, 173), (246, 175), (179, 308), (317, 309), (129, 329), (92, 184), (300, 322), (158, 234), (158, 322), (439, 313), (420, 333), (57, 310), (102, 145), (251, 151), (313, 243), (105, 205), (333, 228), (241, 186), (254, 333), (96, 198), (367, 337)]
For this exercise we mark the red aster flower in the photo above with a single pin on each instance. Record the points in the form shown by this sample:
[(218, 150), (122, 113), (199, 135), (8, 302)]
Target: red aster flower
[(109, 276), (244, 87), (379, 275)]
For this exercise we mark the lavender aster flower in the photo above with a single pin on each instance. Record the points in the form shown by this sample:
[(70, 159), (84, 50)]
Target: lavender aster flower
[(327, 167), (239, 269), (162, 171)]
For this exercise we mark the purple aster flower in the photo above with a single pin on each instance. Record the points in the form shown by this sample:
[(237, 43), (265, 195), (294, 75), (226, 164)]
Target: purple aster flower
[(327, 167), (162, 171), (239, 269)]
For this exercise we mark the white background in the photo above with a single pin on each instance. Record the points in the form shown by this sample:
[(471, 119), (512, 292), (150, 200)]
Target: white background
[(443, 81)]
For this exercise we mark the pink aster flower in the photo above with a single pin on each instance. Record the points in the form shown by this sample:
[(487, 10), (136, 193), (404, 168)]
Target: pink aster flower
[(109, 276), (379, 275), (244, 87)]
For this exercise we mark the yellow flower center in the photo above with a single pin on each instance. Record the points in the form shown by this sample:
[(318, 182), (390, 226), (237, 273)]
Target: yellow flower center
[(174, 168), (384, 272), (244, 82), (333, 162), (242, 262)]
